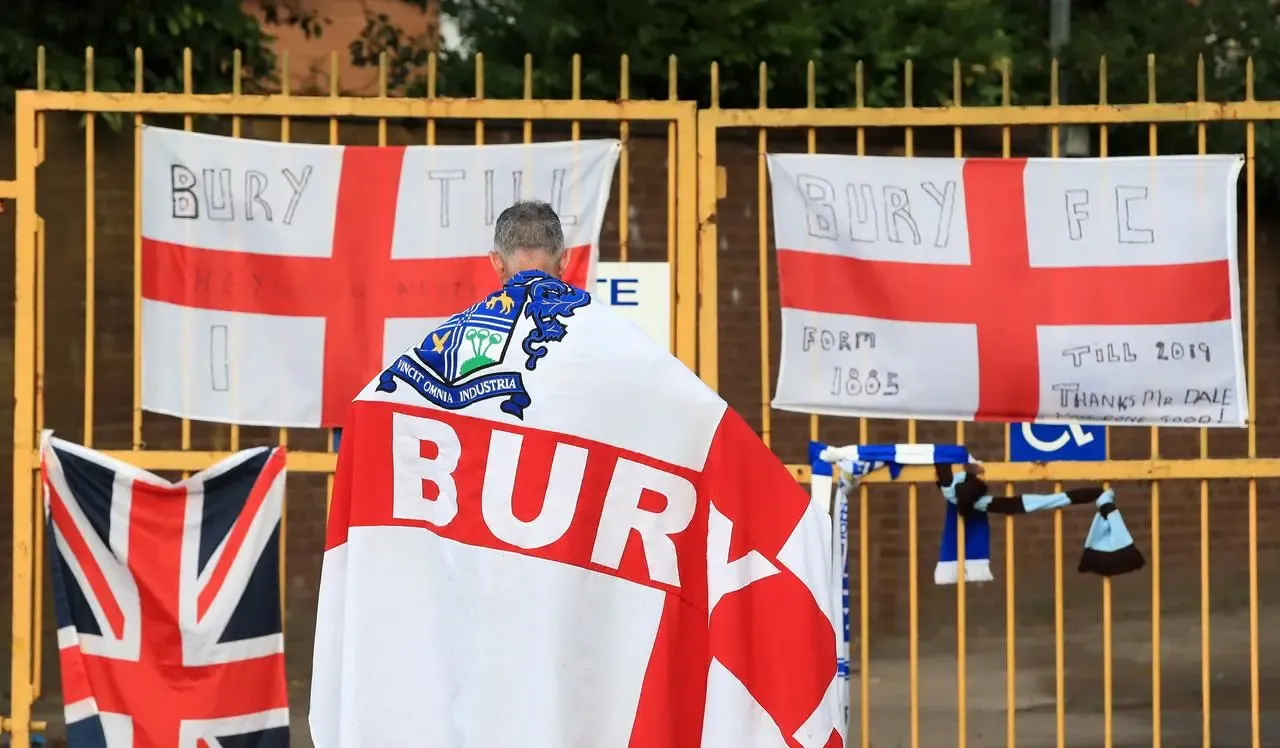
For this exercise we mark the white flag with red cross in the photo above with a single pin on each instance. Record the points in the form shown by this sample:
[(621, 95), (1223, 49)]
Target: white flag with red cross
[(1051, 290), (278, 278)]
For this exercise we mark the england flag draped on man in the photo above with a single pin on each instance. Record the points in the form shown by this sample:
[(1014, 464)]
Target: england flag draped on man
[(546, 531)]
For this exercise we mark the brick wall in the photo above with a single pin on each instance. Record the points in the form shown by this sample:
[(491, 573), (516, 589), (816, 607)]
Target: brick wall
[(62, 201)]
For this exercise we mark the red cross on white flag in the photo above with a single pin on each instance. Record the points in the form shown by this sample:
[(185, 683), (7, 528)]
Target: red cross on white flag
[(1086, 290), (279, 278)]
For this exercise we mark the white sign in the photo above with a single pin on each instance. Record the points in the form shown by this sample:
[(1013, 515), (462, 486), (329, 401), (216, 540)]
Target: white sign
[(1083, 290), (640, 291)]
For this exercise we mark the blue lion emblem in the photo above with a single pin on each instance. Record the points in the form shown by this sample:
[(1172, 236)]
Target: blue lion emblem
[(448, 368), (549, 301)]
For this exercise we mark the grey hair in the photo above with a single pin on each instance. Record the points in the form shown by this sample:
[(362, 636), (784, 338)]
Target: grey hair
[(529, 225)]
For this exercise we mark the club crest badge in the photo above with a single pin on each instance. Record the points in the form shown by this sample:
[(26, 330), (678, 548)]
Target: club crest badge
[(452, 367)]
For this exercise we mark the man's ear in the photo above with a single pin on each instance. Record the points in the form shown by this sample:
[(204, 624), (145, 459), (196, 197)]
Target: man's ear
[(562, 263), (495, 260)]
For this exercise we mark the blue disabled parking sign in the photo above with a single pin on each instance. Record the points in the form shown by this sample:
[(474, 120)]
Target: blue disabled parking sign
[(1042, 442)]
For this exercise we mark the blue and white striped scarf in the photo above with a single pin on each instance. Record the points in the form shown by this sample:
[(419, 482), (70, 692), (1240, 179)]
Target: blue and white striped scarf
[(856, 461)]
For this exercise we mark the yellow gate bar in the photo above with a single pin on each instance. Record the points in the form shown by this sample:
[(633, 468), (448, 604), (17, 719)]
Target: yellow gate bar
[(1021, 116), (325, 107), (1114, 470), (1013, 472)]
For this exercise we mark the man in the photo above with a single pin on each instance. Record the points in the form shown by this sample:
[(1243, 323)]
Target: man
[(546, 532)]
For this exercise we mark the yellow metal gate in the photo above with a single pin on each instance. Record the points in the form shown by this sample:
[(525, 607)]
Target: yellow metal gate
[(1040, 657), (105, 265), (1020, 662)]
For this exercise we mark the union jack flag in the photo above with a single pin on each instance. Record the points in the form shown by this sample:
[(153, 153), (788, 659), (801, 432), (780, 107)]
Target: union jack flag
[(168, 601)]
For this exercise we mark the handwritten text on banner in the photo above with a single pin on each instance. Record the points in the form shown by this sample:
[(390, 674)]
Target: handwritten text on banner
[(279, 278), (1085, 290)]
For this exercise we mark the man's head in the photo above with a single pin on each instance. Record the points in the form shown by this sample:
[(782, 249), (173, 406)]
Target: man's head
[(528, 237)]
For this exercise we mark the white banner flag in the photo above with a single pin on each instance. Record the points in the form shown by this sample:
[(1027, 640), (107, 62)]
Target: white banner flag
[(279, 278), (1053, 290)]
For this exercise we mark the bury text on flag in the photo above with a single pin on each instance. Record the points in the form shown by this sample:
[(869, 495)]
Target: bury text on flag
[(278, 278)]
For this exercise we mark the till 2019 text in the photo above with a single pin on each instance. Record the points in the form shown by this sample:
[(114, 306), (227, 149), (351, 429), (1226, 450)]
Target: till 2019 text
[(1122, 353)]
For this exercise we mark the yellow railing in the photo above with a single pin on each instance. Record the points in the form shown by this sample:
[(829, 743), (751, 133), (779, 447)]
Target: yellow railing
[(697, 190)]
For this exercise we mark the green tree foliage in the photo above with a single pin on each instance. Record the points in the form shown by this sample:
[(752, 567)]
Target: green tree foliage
[(837, 34), (1168, 47), (212, 29), (739, 35)]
